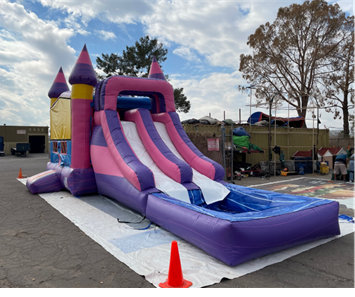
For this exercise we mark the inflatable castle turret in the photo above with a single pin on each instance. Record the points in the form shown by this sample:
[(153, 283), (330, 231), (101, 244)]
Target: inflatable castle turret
[(70, 117), (83, 79), (58, 87), (155, 70)]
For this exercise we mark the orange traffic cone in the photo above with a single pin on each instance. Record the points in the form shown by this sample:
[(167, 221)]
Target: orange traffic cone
[(175, 278), (20, 174)]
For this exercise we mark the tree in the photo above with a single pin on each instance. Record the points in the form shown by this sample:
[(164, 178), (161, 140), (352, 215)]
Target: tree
[(291, 54), (136, 61), (181, 102), (337, 84)]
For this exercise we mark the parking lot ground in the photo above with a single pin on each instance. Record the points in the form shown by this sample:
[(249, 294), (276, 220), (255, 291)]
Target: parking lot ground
[(40, 248)]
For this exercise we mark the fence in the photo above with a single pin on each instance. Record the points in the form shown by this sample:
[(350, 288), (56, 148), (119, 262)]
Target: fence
[(290, 140), (341, 142)]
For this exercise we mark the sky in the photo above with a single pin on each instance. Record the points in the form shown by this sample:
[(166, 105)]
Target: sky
[(204, 39)]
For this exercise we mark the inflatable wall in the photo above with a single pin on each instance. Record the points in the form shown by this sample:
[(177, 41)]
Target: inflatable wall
[(122, 138)]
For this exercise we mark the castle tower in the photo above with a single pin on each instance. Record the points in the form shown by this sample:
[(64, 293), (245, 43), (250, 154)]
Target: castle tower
[(155, 70), (58, 87), (83, 80), (156, 73)]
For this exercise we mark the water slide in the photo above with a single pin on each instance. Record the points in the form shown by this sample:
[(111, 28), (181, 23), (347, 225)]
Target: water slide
[(148, 148)]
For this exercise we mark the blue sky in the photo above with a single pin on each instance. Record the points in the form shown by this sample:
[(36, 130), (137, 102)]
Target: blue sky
[(204, 41)]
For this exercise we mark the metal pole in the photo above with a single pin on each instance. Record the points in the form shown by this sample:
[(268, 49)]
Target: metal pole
[(223, 129), (269, 140), (317, 127), (232, 175), (275, 140), (312, 139), (251, 95)]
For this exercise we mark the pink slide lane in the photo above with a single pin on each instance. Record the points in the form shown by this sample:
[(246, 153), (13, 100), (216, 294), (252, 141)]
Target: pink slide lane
[(136, 173)]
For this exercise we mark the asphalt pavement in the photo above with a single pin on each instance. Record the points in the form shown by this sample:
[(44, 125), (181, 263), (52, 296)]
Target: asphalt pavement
[(40, 248)]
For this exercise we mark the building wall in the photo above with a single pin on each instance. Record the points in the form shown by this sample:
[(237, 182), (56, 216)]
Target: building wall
[(20, 134), (290, 140)]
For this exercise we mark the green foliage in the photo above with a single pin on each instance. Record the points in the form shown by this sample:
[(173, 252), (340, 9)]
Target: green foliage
[(135, 61), (181, 102)]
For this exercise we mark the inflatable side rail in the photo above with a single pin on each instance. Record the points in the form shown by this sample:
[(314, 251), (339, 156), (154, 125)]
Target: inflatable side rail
[(171, 165), (187, 149), (137, 174)]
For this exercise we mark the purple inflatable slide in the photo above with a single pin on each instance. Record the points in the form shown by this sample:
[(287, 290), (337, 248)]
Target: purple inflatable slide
[(134, 150)]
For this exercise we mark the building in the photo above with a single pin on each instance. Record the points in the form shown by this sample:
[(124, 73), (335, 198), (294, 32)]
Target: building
[(329, 154), (37, 136)]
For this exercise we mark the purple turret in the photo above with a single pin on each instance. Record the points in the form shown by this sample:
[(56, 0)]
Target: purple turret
[(83, 72), (58, 87)]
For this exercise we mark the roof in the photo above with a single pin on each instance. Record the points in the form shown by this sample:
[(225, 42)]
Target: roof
[(333, 150), (303, 154), (322, 151)]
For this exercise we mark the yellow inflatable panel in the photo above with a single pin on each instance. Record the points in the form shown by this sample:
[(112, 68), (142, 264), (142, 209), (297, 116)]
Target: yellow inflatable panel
[(60, 115), (80, 91)]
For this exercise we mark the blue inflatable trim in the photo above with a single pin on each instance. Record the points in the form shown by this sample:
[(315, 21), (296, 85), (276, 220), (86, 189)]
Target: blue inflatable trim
[(245, 204)]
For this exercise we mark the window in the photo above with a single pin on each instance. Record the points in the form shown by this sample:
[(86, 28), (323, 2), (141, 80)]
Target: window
[(63, 147), (55, 147)]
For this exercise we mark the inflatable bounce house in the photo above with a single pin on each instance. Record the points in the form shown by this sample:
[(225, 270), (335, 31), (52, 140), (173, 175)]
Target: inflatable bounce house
[(126, 142)]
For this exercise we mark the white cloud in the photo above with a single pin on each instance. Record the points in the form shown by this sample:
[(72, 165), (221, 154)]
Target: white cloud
[(186, 53), (217, 30), (345, 5), (214, 94), (119, 11), (105, 35), (30, 57), (6, 35)]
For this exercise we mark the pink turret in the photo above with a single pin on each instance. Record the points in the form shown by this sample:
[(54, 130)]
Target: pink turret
[(58, 87), (83, 79), (155, 70)]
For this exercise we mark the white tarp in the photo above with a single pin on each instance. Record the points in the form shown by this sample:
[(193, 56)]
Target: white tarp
[(147, 252), (211, 190)]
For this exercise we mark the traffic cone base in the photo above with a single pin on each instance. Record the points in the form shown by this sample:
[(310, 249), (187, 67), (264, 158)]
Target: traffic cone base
[(185, 284), (20, 174), (175, 278)]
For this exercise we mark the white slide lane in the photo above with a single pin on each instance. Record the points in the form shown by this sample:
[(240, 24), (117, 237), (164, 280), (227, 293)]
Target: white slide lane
[(162, 181), (212, 191)]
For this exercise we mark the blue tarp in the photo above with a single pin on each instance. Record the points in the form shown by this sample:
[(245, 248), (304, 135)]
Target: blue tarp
[(240, 131)]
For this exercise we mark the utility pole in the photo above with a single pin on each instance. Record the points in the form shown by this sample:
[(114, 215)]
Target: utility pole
[(251, 96), (269, 140)]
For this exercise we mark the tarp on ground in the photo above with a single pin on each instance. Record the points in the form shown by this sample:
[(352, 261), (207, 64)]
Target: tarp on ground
[(147, 251)]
